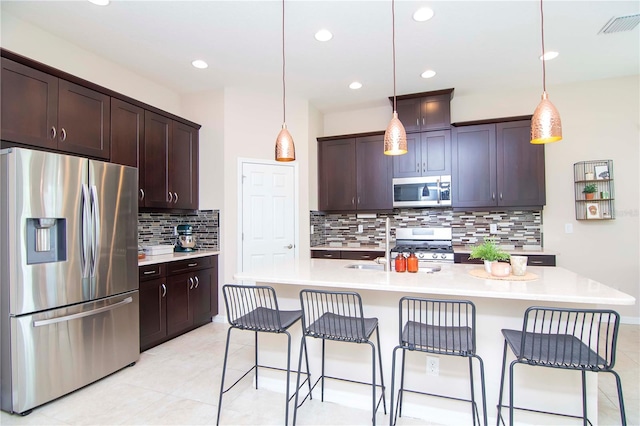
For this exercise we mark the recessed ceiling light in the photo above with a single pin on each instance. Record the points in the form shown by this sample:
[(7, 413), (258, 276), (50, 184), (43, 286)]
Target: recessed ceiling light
[(423, 14), (199, 63), (100, 2), (323, 35), (355, 85), (428, 74), (549, 55)]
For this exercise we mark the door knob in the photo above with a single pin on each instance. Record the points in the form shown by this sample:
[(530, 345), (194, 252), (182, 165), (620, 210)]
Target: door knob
[(290, 246)]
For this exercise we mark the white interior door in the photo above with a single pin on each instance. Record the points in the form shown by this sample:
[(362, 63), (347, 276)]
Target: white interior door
[(268, 215)]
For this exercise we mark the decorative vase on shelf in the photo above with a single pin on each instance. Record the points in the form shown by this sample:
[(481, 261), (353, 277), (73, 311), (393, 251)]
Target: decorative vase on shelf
[(589, 176), (589, 195)]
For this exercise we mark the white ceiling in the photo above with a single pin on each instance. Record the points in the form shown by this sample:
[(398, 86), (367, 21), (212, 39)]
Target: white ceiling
[(472, 45)]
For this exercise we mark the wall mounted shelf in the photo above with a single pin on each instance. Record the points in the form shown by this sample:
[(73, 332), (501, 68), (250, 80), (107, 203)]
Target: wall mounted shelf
[(599, 174)]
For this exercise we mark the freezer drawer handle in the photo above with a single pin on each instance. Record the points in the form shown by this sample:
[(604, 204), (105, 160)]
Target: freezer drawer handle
[(82, 314)]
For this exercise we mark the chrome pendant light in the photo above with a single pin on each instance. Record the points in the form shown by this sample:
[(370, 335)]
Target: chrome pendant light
[(395, 137), (546, 126), (285, 149)]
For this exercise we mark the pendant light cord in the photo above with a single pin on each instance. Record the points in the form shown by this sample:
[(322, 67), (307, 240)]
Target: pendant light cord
[(544, 76), (393, 42), (284, 88)]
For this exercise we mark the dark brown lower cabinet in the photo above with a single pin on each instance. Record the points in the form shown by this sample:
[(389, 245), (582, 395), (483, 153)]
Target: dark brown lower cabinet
[(346, 254), (533, 259), (176, 297)]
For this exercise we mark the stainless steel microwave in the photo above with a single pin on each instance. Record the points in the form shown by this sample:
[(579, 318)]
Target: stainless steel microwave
[(424, 191)]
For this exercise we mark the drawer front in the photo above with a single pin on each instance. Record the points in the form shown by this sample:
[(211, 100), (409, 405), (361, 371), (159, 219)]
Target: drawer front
[(361, 255), (149, 272), (325, 254), (193, 264), (542, 260)]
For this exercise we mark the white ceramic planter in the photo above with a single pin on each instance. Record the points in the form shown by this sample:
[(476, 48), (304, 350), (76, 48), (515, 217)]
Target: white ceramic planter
[(487, 265)]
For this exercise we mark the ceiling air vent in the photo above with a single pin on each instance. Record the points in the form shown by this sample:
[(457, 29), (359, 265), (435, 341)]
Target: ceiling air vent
[(620, 24)]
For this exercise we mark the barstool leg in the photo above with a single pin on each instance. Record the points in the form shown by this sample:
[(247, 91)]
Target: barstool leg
[(623, 415), (513, 363), (474, 408), (322, 377), (286, 397), (484, 393), (384, 399), (504, 366), (401, 390), (224, 370), (392, 414), (584, 398), (373, 381), (255, 348), (303, 347)]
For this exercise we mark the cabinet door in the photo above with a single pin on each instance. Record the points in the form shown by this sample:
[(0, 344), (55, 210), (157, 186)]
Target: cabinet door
[(337, 174), (153, 307), (436, 113), (157, 134), (29, 106), (183, 166), (83, 120), (409, 164), (473, 166), (410, 114), (201, 296), (127, 139), (520, 166), (436, 153), (179, 312), (374, 175)]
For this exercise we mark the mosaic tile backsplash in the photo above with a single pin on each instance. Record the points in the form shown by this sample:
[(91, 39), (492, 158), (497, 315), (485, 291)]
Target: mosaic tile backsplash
[(157, 228), (518, 229)]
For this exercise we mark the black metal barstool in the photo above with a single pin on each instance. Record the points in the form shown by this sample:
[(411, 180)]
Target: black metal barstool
[(338, 316), (443, 327), (255, 308), (569, 339)]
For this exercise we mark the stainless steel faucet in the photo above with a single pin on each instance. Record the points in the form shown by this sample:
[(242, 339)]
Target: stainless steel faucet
[(387, 246)]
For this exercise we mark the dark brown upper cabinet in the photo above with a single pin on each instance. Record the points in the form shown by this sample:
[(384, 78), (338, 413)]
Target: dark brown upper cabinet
[(127, 139), (428, 154), (494, 165), (170, 164), (354, 174), (41, 110), (421, 112)]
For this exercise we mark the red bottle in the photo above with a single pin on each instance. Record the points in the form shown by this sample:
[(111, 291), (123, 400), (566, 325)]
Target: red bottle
[(412, 263), (401, 263)]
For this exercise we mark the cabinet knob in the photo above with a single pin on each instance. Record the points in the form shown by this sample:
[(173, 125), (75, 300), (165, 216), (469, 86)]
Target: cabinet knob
[(192, 283), (164, 290), (501, 195), (197, 281), (175, 197), (63, 134), (170, 195), (493, 195), (141, 194), (353, 200), (53, 132), (418, 167), (417, 122)]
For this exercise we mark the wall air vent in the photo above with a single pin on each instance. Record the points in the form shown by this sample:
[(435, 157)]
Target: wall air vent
[(620, 24)]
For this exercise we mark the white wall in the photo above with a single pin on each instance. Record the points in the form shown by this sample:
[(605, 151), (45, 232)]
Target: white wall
[(30, 41), (601, 120)]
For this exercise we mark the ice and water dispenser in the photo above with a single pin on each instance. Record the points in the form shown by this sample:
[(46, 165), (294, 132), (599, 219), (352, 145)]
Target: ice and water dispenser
[(46, 240)]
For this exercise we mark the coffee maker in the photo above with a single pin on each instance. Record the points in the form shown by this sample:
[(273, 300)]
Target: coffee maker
[(186, 241)]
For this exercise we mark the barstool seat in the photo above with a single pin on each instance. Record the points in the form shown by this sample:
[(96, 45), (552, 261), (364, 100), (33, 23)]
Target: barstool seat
[(338, 316), (570, 339), (442, 327), (255, 308)]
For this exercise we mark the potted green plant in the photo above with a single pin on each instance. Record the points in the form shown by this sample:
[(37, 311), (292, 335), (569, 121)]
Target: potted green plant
[(589, 191), (490, 252)]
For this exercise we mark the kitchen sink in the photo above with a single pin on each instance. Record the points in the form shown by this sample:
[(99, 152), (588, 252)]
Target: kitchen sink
[(376, 267), (366, 266)]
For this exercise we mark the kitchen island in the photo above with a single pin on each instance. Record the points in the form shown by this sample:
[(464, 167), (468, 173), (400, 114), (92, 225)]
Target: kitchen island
[(500, 304)]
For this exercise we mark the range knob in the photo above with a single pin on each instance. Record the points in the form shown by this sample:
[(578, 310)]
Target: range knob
[(443, 256), (420, 255), (434, 255)]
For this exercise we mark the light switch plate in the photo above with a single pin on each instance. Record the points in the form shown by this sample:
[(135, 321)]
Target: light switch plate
[(568, 228)]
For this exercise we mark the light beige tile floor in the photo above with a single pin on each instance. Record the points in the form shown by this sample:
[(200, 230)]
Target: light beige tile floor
[(177, 384)]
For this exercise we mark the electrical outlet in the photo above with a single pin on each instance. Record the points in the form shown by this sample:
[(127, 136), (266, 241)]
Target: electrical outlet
[(568, 228), (360, 229), (433, 366), (493, 228), (312, 229)]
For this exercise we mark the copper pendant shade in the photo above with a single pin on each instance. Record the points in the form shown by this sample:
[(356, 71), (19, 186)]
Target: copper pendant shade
[(546, 126), (395, 137), (285, 149)]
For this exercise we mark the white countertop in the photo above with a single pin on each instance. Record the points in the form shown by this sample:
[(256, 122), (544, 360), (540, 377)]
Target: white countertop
[(172, 257), (555, 284)]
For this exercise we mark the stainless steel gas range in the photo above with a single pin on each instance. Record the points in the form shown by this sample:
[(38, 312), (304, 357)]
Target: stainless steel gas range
[(429, 245)]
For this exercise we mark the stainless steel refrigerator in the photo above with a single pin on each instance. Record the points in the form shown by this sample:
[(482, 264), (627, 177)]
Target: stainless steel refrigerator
[(69, 274)]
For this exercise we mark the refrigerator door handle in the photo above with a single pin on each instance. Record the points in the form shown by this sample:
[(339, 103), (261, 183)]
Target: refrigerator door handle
[(86, 224), (95, 230), (82, 314)]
